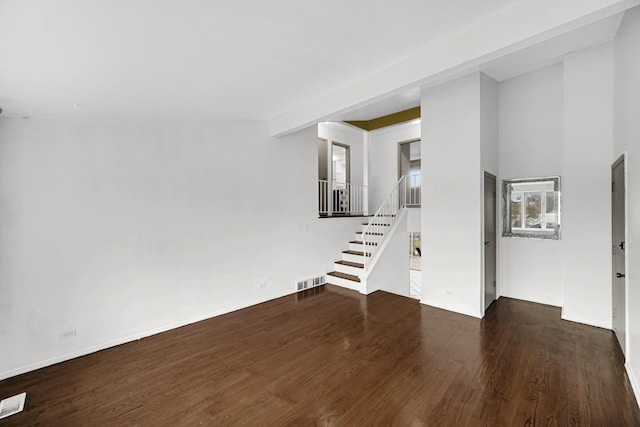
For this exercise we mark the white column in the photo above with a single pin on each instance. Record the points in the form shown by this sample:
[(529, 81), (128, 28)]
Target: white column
[(452, 196), (365, 170)]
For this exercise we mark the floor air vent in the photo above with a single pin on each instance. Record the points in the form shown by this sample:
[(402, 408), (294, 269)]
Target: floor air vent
[(12, 405), (310, 283)]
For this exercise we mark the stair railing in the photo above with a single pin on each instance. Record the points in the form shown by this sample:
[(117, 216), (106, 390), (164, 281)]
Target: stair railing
[(340, 198), (374, 233)]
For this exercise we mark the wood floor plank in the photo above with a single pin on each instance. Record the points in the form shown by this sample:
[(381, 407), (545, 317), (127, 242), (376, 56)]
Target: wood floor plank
[(335, 357)]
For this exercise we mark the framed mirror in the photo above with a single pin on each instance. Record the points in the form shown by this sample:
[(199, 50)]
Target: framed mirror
[(531, 208)]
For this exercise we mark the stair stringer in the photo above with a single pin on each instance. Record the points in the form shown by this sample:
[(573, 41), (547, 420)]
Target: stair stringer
[(373, 279)]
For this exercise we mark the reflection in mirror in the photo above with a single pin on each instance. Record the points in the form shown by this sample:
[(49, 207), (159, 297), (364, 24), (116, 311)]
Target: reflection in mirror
[(531, 208)]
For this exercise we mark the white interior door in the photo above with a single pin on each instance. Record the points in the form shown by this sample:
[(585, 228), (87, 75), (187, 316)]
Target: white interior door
[(618, 232)]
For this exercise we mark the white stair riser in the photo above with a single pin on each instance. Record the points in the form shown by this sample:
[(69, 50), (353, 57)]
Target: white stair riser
[(376, 229), (369, 237), (348, 269), (339, 281), (356, 247), (353, 258)]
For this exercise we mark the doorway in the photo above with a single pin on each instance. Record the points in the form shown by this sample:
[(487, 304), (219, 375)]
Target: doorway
[(323, 177), (618, 239), (323, 162), (489, 240), (340, 177), (334, 178), (409, 165), (415, 265)]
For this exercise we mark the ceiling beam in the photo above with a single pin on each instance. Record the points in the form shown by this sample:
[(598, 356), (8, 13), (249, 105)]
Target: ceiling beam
[(525, 24)]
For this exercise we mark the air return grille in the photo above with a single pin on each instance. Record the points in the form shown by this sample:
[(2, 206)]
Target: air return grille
[(12, 405), (311, 283)]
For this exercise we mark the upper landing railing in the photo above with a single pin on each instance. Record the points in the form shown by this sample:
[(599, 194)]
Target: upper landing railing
[(339, 198)]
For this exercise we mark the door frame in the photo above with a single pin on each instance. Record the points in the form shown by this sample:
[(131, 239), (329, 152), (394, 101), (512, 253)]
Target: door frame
[(482, 239), (325, 159), (622, 159)]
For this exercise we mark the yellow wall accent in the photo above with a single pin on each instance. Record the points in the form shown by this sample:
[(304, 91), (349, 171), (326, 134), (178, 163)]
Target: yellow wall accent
[(388, 120)]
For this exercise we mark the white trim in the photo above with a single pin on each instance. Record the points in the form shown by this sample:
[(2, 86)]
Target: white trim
[(454, 309), (482, 250), (627, 231), (365, 169), (583, 321), (635, 386), (129, 338)]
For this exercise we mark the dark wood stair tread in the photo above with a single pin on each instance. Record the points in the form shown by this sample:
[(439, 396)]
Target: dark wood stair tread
[(359, 253), (376, 224), (372, 234), (344, 276), (342, 215), (360, 242), (350, 264)]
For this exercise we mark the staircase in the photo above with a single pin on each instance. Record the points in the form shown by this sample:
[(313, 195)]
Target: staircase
[(349, 272), (359, 260)]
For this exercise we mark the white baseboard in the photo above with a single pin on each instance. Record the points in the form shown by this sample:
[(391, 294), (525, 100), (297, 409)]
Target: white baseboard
[(130, 338), (634, 382), (585, 321), (459, 310)]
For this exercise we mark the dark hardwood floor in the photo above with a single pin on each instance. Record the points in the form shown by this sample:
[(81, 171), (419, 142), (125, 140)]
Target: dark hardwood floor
[(336, 358)]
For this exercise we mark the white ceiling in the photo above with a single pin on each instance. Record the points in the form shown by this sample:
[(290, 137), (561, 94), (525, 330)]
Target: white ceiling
[(212, 59), (552, 51), (200, 58)]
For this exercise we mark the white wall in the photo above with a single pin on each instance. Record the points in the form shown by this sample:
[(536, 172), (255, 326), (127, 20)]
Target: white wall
[(531, 145), (346, 135), (451, 196), (586, 185), (383, 159), (414, 220), (558, 121), (627, 139), (489, 124), (119, 230)]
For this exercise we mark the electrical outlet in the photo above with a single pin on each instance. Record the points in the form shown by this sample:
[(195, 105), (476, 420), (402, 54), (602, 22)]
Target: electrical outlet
[(262, 283), (67, 334)]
